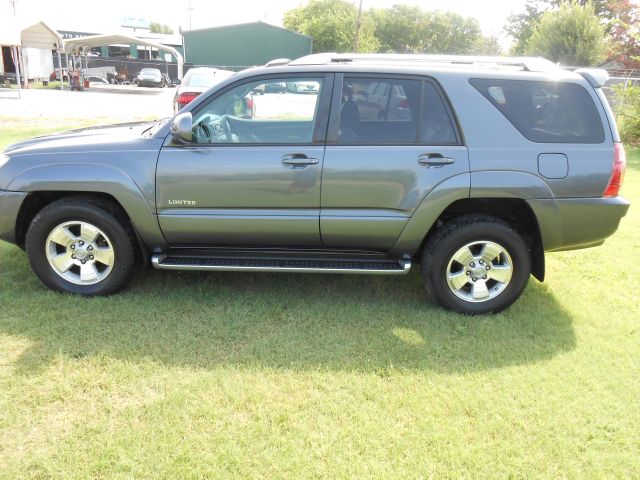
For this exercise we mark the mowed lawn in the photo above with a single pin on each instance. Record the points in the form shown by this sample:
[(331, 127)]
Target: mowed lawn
[(233, 375)]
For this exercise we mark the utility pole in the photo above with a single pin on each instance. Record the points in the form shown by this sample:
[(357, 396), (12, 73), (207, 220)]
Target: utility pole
[(358, 25), (190, 9), (13, 4)]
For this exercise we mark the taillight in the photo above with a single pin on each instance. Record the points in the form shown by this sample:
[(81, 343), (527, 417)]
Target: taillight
[(186, 98), (617, 176)]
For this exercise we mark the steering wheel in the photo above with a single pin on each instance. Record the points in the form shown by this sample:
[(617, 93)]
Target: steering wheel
[(226, 127), (203, 133)]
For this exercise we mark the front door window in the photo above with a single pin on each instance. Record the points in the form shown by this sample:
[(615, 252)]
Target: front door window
[(279, 111)]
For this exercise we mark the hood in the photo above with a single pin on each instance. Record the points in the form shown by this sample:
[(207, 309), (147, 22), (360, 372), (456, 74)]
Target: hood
[(82, 138)]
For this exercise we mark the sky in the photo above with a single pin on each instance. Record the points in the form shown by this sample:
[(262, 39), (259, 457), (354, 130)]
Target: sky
[(104, 16)]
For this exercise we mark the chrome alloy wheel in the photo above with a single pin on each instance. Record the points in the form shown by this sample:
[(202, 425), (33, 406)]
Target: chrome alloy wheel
[(479, 271), (80, 253)]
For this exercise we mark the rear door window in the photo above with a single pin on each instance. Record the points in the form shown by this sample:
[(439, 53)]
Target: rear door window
[(545, 112), (378, 111), (436, 127)]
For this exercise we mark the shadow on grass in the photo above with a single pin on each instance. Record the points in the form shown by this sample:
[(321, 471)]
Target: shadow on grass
[(299, 322)]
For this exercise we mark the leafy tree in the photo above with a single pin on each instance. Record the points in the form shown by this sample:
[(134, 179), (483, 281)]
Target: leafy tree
[(486, 46), (332, 24), (400, 29), (572, 35), (522, 25), (160, 28), (409, 29), (624, 32), (615, 15), (626, 103)]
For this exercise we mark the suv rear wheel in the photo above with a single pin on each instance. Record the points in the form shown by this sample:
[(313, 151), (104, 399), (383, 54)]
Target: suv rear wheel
[(475, 264), (80, 245)]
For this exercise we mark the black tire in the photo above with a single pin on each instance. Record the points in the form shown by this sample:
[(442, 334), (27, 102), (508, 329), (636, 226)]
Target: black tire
[(99, 213), (454, 235)]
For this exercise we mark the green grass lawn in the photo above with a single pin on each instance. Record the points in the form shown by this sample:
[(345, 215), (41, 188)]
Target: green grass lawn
[(233, 375)]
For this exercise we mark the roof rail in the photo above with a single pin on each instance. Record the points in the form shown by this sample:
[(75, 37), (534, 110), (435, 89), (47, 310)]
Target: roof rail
[(277, 62), (531, 64)]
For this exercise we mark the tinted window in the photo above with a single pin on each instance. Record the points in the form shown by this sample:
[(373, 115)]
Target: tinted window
[(436, 127), (281, 111), (379, 111), (545, 112)]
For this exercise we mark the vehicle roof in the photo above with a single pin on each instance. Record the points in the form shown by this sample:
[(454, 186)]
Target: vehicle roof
[(531, 64), (207, 70), (529, 68), (420, 69)]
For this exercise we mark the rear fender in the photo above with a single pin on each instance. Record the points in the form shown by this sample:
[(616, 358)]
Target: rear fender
[(426, 215), (528, 187)]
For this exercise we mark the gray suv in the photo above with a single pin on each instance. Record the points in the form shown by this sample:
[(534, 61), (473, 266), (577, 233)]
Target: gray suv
[(471, 167)]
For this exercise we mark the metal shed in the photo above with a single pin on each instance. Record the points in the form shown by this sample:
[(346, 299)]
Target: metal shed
[(28, 39), (82, 45), (235, 47)]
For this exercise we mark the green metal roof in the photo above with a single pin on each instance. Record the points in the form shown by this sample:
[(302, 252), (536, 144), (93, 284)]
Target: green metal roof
[(243, 45)]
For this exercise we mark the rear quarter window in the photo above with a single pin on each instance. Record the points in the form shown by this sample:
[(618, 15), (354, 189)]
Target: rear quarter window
[(545, 112)]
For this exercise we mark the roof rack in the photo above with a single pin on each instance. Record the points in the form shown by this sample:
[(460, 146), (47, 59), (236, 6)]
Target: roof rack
[(529, 64), (278, 62)]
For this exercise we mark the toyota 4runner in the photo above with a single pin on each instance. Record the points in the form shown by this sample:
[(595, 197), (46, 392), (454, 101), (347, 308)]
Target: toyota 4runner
[(471, 167)]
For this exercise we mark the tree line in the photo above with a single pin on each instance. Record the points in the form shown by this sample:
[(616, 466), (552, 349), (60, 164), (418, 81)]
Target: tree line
[(399, 29), (572, 32)]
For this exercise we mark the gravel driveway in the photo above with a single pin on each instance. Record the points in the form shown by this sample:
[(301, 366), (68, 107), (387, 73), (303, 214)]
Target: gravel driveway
[(90, 103)]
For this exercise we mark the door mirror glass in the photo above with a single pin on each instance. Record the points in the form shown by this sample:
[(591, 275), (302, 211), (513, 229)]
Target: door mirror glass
[(182, 127)]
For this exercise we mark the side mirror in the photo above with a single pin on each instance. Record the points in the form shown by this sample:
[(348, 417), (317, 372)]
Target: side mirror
[(182, 127)]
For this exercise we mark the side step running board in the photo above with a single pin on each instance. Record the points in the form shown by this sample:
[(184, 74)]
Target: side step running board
[(180, 262)]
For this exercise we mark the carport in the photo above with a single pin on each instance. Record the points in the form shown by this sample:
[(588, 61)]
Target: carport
[(19, 35), (82, 45)]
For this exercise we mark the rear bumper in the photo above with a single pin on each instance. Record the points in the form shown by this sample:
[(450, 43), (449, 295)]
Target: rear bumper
[(10, 203), (574, 223)]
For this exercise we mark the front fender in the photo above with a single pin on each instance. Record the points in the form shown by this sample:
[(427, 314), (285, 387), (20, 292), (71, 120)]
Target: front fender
[(99, 179)]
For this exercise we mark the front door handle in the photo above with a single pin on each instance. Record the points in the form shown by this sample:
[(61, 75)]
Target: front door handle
[(298, 160), (434, 160)]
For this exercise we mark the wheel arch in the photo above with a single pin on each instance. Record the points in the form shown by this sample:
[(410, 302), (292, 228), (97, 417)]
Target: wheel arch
[(52, 182), (36, 201), (515, 211)]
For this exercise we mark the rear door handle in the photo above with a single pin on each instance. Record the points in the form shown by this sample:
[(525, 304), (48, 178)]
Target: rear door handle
[(434, 160), (298, 160)]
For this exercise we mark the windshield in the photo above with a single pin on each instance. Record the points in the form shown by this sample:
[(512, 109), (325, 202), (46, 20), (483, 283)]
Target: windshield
[(150, 71)]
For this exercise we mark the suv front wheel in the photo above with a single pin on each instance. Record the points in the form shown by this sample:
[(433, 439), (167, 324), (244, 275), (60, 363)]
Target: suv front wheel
[(475, 264), (81, 245)]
